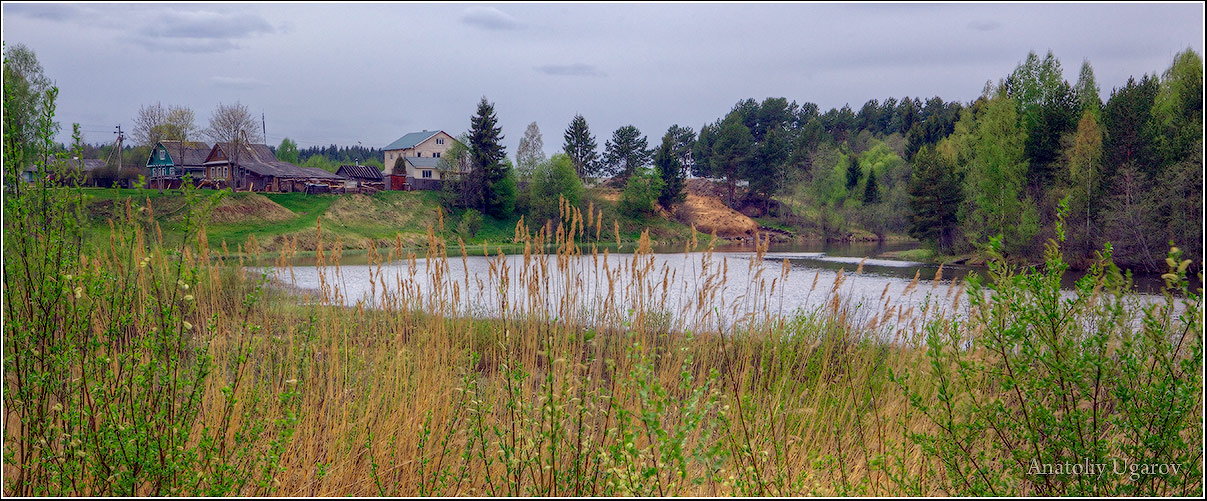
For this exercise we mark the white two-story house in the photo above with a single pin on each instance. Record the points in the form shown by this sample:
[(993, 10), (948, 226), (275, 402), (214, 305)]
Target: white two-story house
[(420, 153)]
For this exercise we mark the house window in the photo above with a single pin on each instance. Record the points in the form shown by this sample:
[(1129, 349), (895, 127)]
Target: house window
[(427, 174), (439, 140), (436, 155), (162, 154), (418, 154)]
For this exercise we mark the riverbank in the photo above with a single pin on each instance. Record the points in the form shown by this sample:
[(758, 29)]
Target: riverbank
[(254, 223), (271, 223)]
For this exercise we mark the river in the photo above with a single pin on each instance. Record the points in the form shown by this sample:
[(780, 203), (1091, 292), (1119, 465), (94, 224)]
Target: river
[(720, 290)]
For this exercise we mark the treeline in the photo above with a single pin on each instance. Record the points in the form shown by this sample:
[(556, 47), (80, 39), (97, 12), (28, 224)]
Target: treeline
[(328, 158), (1128, 170), (999, 171), (343, 154), (830, 172)]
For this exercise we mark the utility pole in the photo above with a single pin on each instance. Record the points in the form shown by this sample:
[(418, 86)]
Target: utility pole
[(264, 127), (120, 137)]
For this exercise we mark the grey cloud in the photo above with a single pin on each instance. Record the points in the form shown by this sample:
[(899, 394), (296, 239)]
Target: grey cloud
[(984, 25), (173, 29), (575, 70), (489, 18), (208, 25), (45, 11), (198, 32)]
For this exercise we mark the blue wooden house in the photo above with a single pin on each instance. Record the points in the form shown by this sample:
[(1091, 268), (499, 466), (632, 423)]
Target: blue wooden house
[(170, 161)]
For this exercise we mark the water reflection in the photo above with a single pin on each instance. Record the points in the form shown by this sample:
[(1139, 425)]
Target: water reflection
[(835, 256), (696, 291)]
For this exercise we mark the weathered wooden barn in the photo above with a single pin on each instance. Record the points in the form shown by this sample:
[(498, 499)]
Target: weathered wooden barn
[(253, 167)]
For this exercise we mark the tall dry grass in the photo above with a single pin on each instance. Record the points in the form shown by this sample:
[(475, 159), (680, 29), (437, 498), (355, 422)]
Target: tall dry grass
[(182, 371)]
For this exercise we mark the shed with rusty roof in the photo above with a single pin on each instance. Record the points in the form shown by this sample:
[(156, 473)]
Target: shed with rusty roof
[(364, 177)]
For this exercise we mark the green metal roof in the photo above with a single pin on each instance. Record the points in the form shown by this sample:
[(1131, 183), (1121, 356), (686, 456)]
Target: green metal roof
[(410, 140)]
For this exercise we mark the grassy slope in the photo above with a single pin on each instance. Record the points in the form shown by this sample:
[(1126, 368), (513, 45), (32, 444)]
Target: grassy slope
[(307, 207), (355, 219)]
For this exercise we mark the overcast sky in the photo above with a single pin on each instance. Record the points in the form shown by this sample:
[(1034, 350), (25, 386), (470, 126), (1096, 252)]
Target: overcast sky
[(369, 73)]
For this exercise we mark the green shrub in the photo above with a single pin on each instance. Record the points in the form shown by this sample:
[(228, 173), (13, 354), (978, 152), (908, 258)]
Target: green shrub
[(471, 222), (552, 181), (641, 192), (1037, 381)]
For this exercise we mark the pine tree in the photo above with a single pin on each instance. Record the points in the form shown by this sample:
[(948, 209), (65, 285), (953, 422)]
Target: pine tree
[(766, 172), (731, 152), (626, 152)]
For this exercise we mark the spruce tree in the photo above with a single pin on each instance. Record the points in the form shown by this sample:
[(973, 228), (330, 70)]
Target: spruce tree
[(671, 170), (935, 198), (580, 147), (853, 172), (871, 192), (486, 155)]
